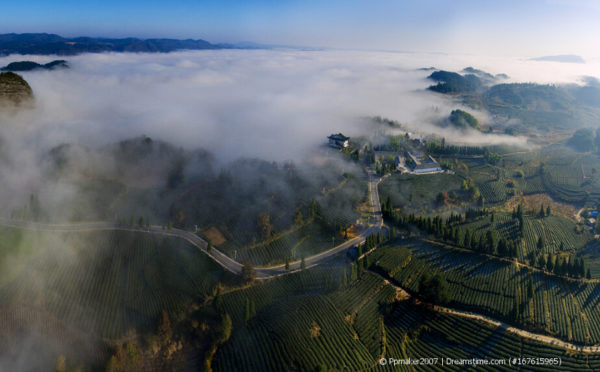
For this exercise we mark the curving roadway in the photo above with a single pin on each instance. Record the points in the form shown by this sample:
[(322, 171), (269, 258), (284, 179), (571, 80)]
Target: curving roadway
[(262, 272)]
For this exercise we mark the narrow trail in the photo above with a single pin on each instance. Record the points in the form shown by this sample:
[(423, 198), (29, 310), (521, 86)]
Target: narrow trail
[(507, 327)]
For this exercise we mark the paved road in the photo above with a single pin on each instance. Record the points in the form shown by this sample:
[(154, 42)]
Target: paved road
[(221, 258)]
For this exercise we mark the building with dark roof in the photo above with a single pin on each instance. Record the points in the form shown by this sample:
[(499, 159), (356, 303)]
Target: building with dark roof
[(338, 141)]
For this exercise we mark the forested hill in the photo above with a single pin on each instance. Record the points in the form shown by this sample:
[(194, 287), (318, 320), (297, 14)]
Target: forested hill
[(14, 90), (563, 106), (46, 44)]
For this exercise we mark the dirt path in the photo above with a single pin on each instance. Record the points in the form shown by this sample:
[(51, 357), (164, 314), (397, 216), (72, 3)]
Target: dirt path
[(508, 328)]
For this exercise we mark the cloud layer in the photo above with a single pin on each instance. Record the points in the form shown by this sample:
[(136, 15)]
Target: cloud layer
[(271, 104)]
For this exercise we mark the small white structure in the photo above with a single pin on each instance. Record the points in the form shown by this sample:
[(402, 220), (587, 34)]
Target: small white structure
[(399, 161), (339, 141)]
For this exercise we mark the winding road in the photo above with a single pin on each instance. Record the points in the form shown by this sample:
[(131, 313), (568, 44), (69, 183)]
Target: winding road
[(229, 264), (273, 271)]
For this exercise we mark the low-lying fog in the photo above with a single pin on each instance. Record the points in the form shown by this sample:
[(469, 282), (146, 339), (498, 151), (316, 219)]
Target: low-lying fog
[(274, 105), (270, 104)]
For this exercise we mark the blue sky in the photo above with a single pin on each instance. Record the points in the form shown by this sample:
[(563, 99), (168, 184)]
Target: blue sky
[(518, 28)]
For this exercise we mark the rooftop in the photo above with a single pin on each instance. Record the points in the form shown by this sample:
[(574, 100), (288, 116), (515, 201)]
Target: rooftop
[(338, 136)]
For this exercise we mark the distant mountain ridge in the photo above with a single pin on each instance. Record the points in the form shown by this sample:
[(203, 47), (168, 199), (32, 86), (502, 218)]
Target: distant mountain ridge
[(30, 66), (51, 44), (564, 58)]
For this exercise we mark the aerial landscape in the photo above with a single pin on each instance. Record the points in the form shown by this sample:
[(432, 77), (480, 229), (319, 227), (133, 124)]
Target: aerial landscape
[(300, 186)]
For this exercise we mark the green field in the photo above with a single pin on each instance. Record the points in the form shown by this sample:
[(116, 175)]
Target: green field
[(567, 175), (417, 193)]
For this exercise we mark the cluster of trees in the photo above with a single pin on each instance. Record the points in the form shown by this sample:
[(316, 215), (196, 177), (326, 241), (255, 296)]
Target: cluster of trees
[(544, 212), (385, 166), (362, 263), (518, 215), (452, 82), (471, 214), (471, 189), (434, 289), (397, 143), (584, 140), (440, 148), (369, 155), (564, 266), (491, 157), (141, 222), (462, 119), (372, 241), (162, 349), (448, 230)]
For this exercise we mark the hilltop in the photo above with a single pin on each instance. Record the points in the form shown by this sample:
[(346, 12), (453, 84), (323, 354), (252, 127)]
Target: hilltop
[(14, 89), (30, 66)]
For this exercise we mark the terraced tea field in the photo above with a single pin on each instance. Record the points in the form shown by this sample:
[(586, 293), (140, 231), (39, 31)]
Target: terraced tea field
[(97, 286), (561, 307)]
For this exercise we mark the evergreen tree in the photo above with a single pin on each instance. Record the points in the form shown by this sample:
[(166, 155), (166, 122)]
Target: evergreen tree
[(542, 261), (564, 269), (302, 263), (490, 241), (548, 211), (457, 236), (467, 239), (530, 288), (502, 248), (550, 263), (558, 266), (540, 243), (588, 274)]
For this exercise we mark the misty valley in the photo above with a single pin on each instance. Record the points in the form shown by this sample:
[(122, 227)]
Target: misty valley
[(253, 209)]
